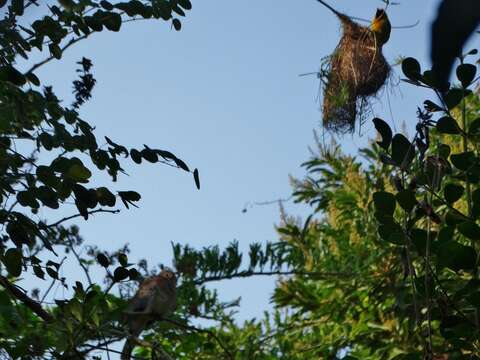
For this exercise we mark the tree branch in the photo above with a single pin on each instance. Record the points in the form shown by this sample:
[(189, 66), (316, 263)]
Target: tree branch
[(80, 262), (244, 274), (24, 298), (43, 62), (78, 215)]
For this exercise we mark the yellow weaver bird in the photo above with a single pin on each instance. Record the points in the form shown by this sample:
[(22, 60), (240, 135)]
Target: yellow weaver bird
[(381, 27)]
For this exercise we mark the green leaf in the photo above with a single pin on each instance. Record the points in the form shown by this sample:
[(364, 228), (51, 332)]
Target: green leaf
[(52, 273), (103, 260), (470, 230), (55, 50), (10, 74), (106, 5), (444, 151), (177, 25), (446, 233), (120, 273), (196, 177), (431, 106), (456, 256), (453, 192), (47, 196), (27, 198), (454, 218), (447, 125), (78, 173), (454, 96), (384, 202), (393, 233), (105, 197), (384, 130), (13, 261), (76, 309), (419, 239), (136, 156), (186, 4), (128, 197), (403, 151), (466, 73), (113, 21), (39, 272), (133, 274), (463, 161), (149, 155), (123, 259), (474, 128), (94, 23), (46, 175), (181, 164), (411, 68), (406, 199), (33, 78)]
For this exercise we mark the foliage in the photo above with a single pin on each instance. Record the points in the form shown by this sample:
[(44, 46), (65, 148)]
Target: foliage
[(385, 267), (48, 155)]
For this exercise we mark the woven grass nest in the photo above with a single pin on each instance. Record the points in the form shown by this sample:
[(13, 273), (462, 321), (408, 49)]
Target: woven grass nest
[(355, 71)]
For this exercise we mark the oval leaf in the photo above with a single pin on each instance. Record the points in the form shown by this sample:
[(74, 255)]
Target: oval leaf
[(13, 261)]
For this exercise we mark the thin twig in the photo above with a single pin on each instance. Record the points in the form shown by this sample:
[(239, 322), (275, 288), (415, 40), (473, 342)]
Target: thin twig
[(78, 215), (43, 62), (52, 283), (245, 274), (80, 262)]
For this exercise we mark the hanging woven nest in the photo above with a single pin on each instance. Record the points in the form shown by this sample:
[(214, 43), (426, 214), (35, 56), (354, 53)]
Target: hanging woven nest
[(356, 70)]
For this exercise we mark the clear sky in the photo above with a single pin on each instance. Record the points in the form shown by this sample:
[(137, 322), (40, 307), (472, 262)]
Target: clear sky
[(225, 96)]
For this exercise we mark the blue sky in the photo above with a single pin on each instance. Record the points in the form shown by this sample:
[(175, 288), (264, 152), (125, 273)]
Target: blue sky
[(225, 96)]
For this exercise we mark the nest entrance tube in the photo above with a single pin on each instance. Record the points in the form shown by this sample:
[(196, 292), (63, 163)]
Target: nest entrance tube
[(356, 70)]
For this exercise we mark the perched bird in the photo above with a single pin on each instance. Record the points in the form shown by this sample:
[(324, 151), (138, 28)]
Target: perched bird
[(381, 27), (380, 24), (156, 298)]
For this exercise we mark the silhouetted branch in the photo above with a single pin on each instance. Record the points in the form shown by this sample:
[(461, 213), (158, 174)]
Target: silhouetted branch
[(78, 215), (43, 62), (24, 298), (245, 274)]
